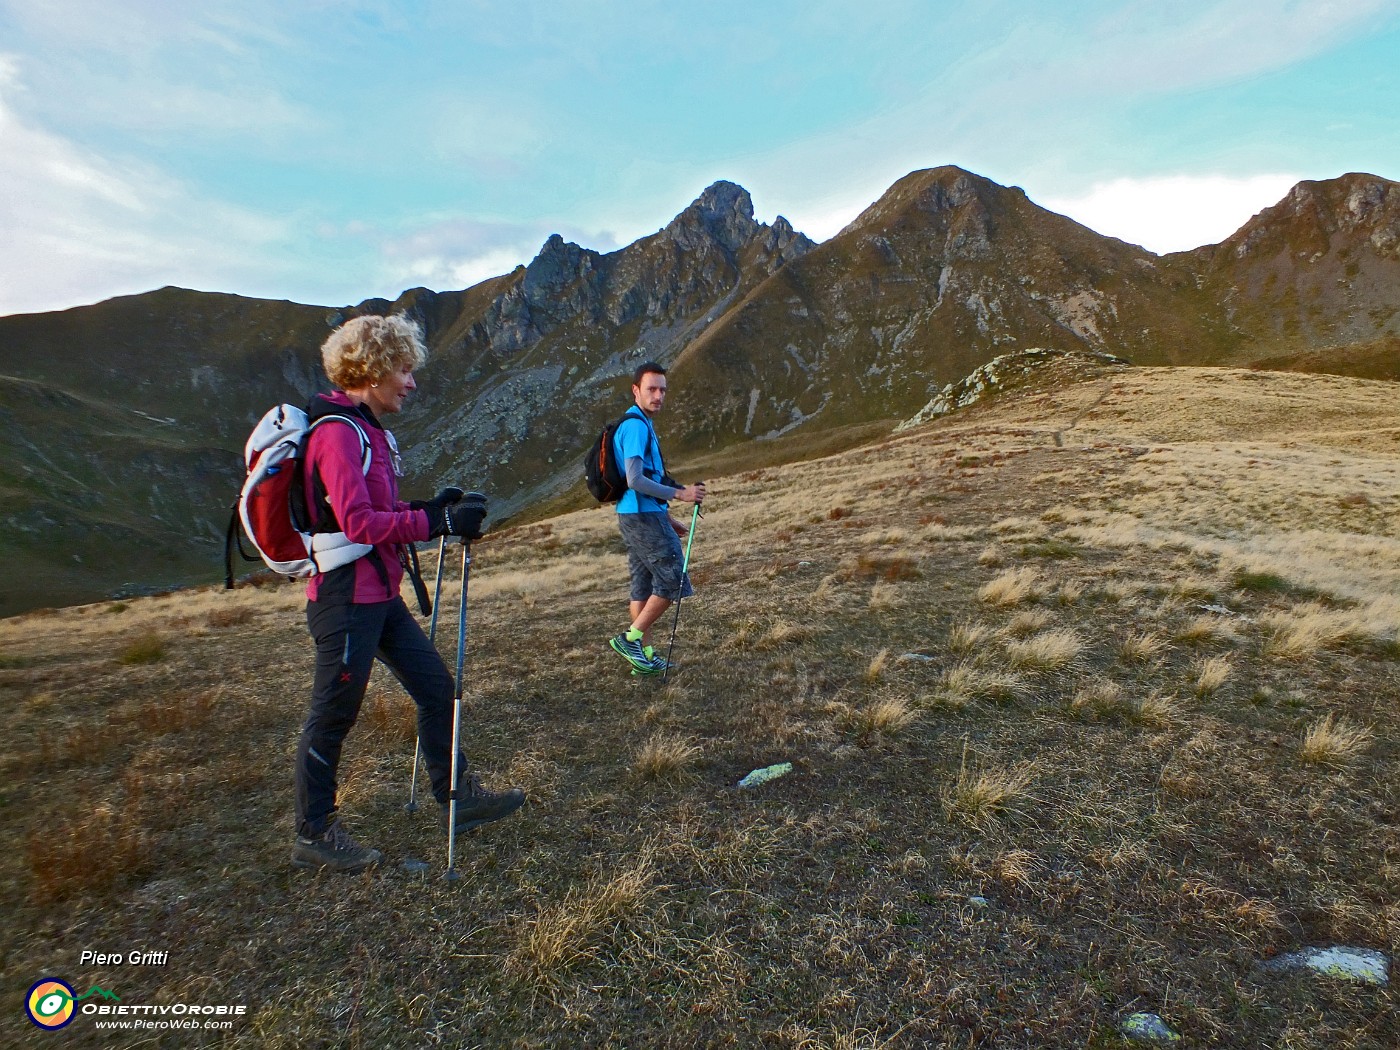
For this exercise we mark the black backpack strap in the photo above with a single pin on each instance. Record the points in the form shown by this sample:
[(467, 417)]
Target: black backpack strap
[(408, 558), (230, 538), (233, 541)]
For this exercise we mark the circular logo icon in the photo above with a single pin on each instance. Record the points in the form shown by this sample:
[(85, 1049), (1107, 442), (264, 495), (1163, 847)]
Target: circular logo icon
[(50, 1003)]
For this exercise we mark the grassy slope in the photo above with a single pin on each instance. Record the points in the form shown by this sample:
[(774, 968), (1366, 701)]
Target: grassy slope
[(1117, 771)]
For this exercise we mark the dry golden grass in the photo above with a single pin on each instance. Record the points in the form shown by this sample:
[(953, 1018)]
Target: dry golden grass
[(1300, 633), (1333, 741), (230, 617), (1156, 711), (1207, 627), (884, 597), (1015, 867), (1013, 587), (965, 683), (562, 935), (983, 797), (883, 718), (1047, 651), (1142, 647), (1028, 622), (1212, 674), (664, 754), (1163, 845), (1100, 698), (876, 668), (967, 638), (89, 853), (146, 648), (783, 634)]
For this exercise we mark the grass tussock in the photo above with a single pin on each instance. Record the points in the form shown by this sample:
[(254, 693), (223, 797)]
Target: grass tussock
[(1028, 622), (1212, 674), (1205, 629), (966, 639), (877, 666), (983, 797), (1195, 588), (1099, 699), (665, 755), (563, 935), (966, 683), (1311, 629), (1142, 647), (1014, 587), (891, 568), (231, 617), (87, 853), (1334, 741), (884, 597), (1047, 651), (146, 648), (781, 635), (884, 718), (1155, 711)]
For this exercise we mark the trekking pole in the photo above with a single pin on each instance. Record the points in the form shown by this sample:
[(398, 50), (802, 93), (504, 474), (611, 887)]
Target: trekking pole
[(412, 806), (685, 565), (472, 498)]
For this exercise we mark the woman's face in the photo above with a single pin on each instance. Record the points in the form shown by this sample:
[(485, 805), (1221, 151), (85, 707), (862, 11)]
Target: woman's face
[(393, 388)]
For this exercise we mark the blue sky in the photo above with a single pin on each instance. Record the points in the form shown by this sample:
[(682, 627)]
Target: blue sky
[(328, 151)]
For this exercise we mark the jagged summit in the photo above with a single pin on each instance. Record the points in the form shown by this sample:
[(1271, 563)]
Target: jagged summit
[(723, 212)]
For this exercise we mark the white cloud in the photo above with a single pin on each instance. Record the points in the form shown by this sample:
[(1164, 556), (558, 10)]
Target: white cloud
[(458, 253), (78, 226), (1173, 213)]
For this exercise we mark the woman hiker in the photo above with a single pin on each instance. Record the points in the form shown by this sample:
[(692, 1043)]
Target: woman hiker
[(355, 612)]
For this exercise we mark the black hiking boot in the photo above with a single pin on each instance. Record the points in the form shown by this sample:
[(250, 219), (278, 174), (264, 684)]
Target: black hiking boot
[(334, 850), (477, 806)]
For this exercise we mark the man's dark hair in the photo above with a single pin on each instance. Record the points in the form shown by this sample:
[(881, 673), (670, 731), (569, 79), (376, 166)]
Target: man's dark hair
[(643, 368)]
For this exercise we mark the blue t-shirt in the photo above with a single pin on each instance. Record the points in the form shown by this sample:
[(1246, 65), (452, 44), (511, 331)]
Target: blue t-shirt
[(635, 437)]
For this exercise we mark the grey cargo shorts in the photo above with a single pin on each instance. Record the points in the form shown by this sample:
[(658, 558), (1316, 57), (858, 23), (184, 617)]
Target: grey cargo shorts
[(654, 556)]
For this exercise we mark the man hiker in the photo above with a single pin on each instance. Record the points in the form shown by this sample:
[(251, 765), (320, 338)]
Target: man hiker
[(652, 536)]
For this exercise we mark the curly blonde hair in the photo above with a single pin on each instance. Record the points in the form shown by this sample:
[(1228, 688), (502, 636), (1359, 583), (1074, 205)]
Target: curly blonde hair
[(366, 349)]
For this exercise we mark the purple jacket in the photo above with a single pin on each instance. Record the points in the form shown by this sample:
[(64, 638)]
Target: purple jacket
[(366, 505)]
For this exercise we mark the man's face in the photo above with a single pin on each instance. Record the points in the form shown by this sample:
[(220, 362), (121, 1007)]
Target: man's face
[(650, 392)]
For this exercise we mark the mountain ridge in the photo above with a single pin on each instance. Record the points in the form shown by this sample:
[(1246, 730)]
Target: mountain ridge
[(767, 333)]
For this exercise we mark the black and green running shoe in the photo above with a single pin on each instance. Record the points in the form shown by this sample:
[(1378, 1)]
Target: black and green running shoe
[(632, 652)]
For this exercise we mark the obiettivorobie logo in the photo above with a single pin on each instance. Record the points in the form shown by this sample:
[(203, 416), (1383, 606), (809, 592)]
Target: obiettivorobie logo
[(51, 1003)]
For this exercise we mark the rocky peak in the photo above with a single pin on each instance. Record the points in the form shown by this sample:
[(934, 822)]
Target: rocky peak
[(1355, 205), (723, 213), (558, 264), (937, 195)]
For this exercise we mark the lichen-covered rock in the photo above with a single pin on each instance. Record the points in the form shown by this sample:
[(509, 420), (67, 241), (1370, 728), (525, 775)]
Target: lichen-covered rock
[(1348, 964), (1149, 1028)]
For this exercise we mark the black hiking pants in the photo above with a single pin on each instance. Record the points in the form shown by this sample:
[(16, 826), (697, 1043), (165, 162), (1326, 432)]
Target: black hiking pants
[(348, 638)]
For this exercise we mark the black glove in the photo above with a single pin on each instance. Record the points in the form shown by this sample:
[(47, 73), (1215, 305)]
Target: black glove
[(445, 498), (462, 518)]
